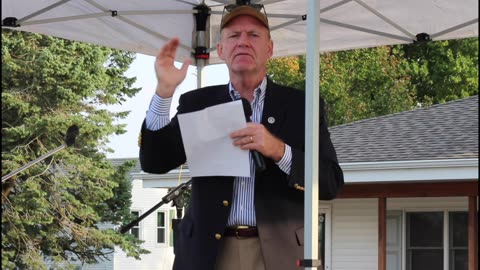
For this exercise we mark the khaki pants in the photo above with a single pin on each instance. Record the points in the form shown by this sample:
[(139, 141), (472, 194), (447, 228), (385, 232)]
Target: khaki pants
[(240, 254)]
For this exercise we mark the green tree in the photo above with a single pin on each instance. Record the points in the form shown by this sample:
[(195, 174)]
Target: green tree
[(60, 208), (365, 83), (356, 84), (442, 71)]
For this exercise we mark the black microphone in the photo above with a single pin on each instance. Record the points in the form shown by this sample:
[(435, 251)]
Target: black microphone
[(72, 133), (257, 157)]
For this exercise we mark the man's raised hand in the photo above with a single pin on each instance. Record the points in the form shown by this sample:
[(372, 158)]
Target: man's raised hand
[(168, 76)]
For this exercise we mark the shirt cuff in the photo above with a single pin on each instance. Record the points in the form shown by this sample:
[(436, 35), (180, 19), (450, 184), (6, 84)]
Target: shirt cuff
[(285, 163), (158, 114)]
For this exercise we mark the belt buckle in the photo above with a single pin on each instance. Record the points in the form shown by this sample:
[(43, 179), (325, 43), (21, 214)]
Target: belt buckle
[(239, 227), (238, 236)]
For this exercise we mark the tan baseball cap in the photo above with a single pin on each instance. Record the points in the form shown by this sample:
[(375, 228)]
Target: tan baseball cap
[(244, 10)]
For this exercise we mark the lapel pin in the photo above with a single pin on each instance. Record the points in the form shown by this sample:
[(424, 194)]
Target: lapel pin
[(271, 120)]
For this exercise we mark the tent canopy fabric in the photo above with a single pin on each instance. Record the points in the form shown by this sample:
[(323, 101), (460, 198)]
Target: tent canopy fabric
[(143, 26)]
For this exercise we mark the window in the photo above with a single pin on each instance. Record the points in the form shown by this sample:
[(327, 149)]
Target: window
[(425, 241), (161, 230), (458, 247), (394, 239), (172, 216), (426, 244), (135, 230)]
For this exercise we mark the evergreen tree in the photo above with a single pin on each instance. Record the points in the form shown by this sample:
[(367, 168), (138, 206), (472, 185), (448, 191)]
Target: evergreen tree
[(59, 208)]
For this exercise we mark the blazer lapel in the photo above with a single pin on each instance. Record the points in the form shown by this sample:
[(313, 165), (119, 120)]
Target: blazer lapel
[(222, 95), (273, 109)]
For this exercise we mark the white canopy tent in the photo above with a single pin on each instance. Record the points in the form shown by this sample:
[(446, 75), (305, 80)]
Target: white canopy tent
[(143, 26)]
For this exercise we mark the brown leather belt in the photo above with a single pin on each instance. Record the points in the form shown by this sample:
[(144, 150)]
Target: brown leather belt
[(241, 232)]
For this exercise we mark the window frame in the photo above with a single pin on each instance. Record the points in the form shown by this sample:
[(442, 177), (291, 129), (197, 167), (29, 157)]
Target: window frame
[(447, 263), (451, 247), (137, 226), (410, 249), (165, 228)]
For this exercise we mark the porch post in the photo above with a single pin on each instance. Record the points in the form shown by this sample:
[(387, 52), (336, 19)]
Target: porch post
[(472, 233), (382, 233)]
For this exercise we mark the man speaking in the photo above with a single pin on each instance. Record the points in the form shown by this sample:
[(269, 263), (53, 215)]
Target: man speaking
[(240, 223)]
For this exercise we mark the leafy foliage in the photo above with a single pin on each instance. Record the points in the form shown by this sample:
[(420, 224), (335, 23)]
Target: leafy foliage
[(62, 208), (443, 71), (365, 83)]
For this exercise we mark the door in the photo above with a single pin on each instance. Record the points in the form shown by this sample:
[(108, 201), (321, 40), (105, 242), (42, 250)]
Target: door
[(324, 237)]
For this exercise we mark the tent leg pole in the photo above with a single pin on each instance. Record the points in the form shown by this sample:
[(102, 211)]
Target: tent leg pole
[(311, 134)]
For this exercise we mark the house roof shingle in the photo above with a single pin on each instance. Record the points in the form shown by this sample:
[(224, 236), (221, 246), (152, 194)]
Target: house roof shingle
[(119, 161), (137, 168), (443, 131)]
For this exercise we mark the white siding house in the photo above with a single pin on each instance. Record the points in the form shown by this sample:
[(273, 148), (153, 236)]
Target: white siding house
[(155, 232), (154, 229), (354, 230), (411, 196), (354, 234)]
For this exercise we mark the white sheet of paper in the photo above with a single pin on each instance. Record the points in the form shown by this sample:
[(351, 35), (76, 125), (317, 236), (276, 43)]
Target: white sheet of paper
[(208, 146)]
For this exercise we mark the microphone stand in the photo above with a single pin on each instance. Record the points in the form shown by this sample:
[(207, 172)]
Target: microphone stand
[(72, 133), (174, 194)]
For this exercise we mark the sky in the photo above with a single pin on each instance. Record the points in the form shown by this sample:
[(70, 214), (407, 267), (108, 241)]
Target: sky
[(126, 145)]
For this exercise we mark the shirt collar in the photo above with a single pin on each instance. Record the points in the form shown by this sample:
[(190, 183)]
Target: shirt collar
[(259, 90)]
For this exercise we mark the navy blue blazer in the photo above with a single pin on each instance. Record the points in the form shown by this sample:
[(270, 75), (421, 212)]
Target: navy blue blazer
[(279, 198)]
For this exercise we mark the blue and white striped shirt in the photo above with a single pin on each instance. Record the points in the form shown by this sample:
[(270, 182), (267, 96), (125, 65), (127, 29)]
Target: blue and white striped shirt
[(243, 208)]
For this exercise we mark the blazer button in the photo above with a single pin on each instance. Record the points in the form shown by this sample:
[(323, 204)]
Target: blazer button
[(225, 203), (218, 236)]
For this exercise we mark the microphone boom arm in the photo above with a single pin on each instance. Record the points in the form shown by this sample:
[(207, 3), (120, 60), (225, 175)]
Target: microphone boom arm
[(72, 133), (172, 195)]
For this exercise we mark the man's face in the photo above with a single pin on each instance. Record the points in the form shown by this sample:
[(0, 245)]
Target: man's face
[(245, 45)]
